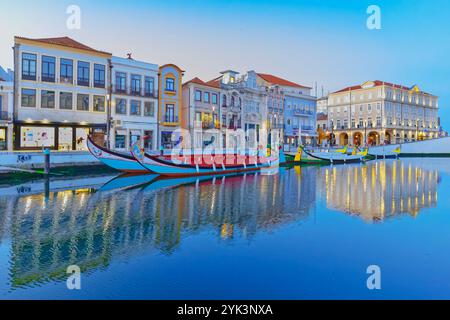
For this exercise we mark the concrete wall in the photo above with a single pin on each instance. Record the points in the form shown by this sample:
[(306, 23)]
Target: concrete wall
[(26, 160)]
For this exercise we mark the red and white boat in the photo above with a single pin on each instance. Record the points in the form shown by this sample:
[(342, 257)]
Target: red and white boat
[(138, 161), (203, 164)]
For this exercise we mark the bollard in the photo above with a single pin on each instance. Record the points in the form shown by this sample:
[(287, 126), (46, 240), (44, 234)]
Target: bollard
[(47, 160)]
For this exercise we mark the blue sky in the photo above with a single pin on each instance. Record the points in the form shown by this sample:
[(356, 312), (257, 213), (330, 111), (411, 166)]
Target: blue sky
[(323, 41)]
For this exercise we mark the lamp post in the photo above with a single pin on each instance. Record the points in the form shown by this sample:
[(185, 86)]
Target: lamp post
[(365, 133), (332, 133), (417, 129)]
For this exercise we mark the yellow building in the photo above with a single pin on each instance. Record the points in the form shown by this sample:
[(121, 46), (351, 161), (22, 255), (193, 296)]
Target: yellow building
[(377, 112), (170, 103)]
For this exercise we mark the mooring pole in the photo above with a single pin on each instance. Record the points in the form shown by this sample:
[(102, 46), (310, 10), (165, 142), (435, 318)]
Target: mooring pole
[(47, 161)]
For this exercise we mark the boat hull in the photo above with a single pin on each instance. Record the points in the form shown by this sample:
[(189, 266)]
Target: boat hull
[(119, 161), (167, 167)]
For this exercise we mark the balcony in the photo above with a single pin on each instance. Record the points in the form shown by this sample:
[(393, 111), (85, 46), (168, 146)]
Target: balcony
[(170, 120), (300, 112), (135, 93), (66, 80), (99, 84)]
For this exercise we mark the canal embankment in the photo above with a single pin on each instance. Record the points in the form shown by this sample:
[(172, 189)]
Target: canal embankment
[(20, 167)]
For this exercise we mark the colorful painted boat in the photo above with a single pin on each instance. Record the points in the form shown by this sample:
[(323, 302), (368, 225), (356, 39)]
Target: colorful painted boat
[(194, 165), (386, 152), (124, 162), (304, 156)]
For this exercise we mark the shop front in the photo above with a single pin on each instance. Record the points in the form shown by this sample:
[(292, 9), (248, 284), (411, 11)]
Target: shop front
[(3, 138), (60, 136)]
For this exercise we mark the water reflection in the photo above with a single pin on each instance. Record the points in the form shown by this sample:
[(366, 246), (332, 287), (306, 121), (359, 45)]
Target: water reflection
[(91, 227), (380, 190)]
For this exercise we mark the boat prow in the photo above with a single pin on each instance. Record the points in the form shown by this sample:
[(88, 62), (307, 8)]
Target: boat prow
[(120, 161)]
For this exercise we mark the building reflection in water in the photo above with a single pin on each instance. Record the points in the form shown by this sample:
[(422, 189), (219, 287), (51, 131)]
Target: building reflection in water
[(90, 229), (379, 190)]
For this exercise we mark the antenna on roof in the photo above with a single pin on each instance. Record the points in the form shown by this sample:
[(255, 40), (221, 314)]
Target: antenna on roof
[(129, 56)]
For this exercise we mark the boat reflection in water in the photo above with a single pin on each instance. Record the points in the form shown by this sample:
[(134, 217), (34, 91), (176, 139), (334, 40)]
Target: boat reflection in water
[(380, 190), (133, 214)]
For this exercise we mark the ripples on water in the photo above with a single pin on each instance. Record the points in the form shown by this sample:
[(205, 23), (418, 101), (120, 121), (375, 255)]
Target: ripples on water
[(131, 216)]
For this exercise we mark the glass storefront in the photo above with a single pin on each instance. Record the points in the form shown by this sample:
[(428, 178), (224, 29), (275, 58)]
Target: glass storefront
[(62, 138), (3, 141), (37, 137), (81, 138), (65, 139), (148, 144)]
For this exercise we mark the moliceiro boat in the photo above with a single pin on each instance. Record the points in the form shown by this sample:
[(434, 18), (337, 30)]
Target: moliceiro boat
[(340, 156), (120, 161), (203, 164)]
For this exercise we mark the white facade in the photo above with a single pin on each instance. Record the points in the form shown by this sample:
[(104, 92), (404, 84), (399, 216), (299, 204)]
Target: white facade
[(134, 103), (6, 109), (249, 99), (322, 105), (61, 93)]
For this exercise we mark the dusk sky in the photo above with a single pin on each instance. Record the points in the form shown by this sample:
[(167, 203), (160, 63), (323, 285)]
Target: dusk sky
[(323, 41)]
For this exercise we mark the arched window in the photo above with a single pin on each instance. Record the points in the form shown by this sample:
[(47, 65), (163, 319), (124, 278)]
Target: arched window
[(224, 100), (232, 101)]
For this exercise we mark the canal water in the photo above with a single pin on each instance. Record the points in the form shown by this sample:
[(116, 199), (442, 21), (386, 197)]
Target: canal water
[(301, 233)]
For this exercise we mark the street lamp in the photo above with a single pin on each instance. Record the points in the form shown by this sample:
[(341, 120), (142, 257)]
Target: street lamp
[(365, 132), (417, 129)]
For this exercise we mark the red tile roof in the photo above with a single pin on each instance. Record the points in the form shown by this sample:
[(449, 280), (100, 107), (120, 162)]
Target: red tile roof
[(65, 42), (203, 83), (377, 83), (280, 81)]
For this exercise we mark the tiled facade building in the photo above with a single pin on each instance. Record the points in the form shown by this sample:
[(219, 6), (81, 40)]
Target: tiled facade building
[(377, 112)]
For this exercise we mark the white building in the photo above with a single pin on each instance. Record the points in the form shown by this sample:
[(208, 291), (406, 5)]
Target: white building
[(6, 109), (322, 105), (244, 106), (60, 93), (134, 103)]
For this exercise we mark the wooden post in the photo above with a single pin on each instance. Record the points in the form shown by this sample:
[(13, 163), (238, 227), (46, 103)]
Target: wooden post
[(47, 161)]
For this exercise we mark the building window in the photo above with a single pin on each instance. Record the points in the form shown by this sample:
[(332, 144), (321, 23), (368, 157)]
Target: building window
[(170, 113), (170, 84), (136, 84), (29, 98), (148, 142), (149, 109), (99, 103), (121, 82), (198, 95), (120, 141), (65, 100), (206, 97), (99, 75), (66, 71), (3, 140), (149, 87), (83, 73), (83, 102), (214, 98), (28, 66), (135, 108), (378, 121), (121, 106), (48, 69), (48, 99)]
